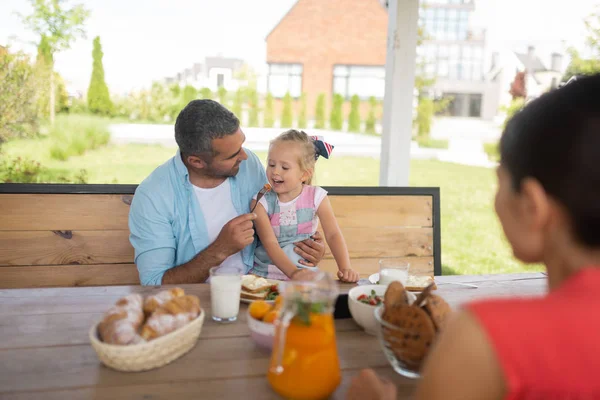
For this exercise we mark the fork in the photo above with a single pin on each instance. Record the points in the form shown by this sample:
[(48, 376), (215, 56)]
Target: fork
[(266, 188)]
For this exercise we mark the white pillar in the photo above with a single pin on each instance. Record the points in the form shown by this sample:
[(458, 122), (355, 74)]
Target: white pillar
[(403, 22)]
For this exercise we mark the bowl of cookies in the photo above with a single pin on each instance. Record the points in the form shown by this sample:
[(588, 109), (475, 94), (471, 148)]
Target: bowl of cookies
[(138, 334), (408, 325)]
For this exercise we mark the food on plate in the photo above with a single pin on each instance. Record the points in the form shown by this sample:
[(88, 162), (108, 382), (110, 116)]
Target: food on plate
[(134, 320), (418, 283), (121, 323), (258, 288), (173, 315), (372, 299), (416, 326), (153, 302)]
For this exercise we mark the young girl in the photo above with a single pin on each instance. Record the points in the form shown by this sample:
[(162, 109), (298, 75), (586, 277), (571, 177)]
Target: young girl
[(548, 202), (291, 211)]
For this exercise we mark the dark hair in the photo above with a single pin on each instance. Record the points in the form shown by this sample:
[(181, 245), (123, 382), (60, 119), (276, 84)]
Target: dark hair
[(556, 140), (199, 123)]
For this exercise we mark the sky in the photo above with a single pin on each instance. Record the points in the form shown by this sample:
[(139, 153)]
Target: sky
[(147, 40)]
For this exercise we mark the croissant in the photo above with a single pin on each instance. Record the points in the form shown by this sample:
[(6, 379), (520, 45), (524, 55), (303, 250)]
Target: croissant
[(121, 323), (152, 303), (171, 316)]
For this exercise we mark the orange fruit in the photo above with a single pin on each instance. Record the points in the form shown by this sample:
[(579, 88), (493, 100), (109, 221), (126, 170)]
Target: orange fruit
[(278, 302), (259, 309), (270, 316)]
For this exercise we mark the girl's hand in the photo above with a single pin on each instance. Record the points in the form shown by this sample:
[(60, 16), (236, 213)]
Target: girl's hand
[(348, 275)]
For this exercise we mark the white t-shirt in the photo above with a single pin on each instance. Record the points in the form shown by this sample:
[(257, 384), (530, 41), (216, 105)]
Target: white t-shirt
[(218, 209)]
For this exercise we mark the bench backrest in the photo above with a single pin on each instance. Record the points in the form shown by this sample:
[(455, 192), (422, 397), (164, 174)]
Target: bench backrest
[(77, 235)]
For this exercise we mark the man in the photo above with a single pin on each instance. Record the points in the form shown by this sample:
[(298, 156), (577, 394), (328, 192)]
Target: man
[(192, 212)]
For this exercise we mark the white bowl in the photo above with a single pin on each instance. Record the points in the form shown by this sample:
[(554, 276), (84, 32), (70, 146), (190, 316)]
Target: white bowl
[(362, 313), (261, 332)]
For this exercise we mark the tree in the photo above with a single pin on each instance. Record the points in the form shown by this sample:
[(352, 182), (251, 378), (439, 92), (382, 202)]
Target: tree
[(205, 93), (518, 88), (580, 65), (302, 123), (287, 116), (238, 102), (320, 112), (371, 118), (58, 27), (354, 117), (189, 94), (252, 108), (98, 97), (269, 118), (18, 105), (336, 119), (222, 93)]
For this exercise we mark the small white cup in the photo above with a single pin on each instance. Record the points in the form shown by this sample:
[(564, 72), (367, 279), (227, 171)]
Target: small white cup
[(225, 288)]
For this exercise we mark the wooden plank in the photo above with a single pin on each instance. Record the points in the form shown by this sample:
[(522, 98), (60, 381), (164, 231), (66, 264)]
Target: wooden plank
[(75, 366), (101, 212), (44, 330), (383, 211), (68, 275), (368, 242), (368, 266), (48, 212), (65, 247), (255, 387)]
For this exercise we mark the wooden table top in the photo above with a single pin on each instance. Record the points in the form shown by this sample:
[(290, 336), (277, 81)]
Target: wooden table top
[(45, 350)]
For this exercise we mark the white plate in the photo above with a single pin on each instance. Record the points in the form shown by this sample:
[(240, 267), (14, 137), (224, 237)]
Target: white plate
[(374, 278), (250, 301)]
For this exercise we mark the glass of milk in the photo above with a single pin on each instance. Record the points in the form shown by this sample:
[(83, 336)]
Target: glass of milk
[(393, 269), (225, 288)]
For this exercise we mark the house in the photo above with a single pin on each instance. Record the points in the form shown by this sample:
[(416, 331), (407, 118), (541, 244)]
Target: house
[(213, 73), (540, 76), (339, 47)]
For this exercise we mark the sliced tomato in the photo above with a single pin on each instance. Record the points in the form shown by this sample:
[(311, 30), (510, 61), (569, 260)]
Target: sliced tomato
[(361, 297), (373, 302)]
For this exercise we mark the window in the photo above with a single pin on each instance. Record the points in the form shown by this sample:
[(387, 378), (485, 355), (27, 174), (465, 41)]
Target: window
[(220, 80), (284, 78), (364, 81), (441, 23), (463, 105)]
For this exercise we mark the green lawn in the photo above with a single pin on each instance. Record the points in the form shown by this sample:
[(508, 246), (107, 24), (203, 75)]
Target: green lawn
[(472, 240)]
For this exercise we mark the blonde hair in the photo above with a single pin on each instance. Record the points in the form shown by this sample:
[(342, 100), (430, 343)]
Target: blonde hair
[(307, 159)]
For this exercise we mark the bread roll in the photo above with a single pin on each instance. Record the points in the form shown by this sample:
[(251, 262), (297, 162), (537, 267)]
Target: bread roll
[(122, 322), (171, 316)]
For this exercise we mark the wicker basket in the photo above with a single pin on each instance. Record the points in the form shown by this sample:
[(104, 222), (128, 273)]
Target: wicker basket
[(153, 354)]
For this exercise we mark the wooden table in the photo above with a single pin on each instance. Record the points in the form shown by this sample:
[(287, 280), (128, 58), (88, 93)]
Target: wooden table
[(45, 352)]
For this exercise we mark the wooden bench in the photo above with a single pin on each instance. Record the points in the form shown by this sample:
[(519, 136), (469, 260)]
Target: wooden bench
[(77, 235)]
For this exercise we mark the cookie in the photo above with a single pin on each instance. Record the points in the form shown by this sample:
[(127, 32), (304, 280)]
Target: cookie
[(424, 294), (395, 295), (438, 309), (414, 334)]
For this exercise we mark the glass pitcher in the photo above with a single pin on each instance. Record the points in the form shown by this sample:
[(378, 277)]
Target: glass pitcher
[(304, 361)]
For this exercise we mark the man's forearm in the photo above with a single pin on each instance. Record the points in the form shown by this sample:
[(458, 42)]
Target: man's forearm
[(197, 270)]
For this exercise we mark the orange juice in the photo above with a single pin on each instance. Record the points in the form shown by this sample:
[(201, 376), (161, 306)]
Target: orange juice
[(309, 368)]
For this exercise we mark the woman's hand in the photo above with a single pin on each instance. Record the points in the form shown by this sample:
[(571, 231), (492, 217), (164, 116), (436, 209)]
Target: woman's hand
[(311, 250), (368, 386)]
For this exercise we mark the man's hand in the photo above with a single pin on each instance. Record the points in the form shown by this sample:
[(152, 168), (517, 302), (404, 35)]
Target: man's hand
[(311, 250), (348, 275), (368, 386), (235, 235)]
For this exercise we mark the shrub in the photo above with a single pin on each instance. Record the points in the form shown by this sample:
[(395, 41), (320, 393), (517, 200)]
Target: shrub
[(302, 123), (205, 93), (354, 117), (371, 118), (287, 117), (74, 135), (252, 108), (336, 120), (222, 93), (23, 170), (269, 118), (238, 101), (320, 112)]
